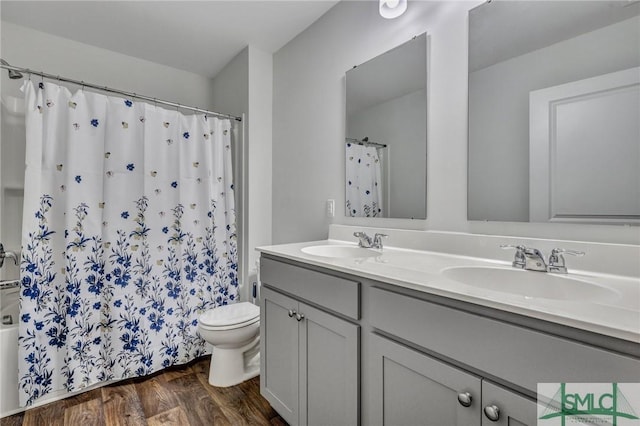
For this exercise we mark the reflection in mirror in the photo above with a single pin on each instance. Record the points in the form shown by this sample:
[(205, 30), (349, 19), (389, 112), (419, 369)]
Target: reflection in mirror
[(386, 134), (554, 101)]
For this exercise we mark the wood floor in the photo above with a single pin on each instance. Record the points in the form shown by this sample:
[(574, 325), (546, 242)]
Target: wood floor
[(176, 396)]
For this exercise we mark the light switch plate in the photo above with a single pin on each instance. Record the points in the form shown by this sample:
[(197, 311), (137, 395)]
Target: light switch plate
[(331, 208)]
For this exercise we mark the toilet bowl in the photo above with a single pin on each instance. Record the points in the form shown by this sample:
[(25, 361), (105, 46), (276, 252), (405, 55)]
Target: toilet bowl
[(234, 333)]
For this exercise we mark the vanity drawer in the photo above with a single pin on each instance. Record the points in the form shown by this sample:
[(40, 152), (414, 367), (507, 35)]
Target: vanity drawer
[(334, 293), (518, 355)]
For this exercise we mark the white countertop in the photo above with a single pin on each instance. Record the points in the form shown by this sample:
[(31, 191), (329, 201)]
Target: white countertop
[(617, 316)]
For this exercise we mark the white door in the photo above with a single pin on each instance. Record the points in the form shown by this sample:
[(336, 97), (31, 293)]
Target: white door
[(584, 152)]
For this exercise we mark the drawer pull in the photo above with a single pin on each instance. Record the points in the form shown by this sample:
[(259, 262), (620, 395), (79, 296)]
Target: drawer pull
[(465, 399), (492, 412), (291, 313), (299, 317)]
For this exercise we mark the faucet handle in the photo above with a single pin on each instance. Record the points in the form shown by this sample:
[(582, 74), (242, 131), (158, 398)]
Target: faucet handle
[(512, 246), (556, 259), (363, 239), (519, 261), (377, 240), (565, 251)]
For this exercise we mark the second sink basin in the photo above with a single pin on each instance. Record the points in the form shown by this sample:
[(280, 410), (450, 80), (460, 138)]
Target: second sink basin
[(529, 284), (339, 251)]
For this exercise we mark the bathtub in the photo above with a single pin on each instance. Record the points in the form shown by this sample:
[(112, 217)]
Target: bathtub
[(8, 348)]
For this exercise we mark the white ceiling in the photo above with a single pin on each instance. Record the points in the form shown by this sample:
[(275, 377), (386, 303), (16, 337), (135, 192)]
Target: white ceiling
[(197, 36)]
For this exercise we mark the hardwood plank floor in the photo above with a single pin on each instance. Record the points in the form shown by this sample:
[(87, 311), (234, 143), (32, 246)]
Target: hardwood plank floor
[(176, 396)]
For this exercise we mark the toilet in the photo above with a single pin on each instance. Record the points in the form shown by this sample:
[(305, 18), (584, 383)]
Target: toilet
[(234, 333)]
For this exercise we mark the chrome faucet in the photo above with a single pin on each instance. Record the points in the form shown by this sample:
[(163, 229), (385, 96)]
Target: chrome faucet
[(7, 255), (531, 259), (366, 241), (527, 258), (556, 259)]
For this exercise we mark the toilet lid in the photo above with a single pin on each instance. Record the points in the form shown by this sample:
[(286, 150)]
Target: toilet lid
[(230, 314)]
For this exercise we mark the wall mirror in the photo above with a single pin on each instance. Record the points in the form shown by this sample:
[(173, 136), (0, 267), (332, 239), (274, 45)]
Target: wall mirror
[(386, 134), (554, 101)]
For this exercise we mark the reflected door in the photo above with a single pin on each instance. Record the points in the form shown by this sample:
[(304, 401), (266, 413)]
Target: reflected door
[(585, 150)]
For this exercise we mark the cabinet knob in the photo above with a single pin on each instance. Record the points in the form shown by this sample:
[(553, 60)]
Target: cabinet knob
[(465, 399), (291, 313), (492, 412), (299, 317)]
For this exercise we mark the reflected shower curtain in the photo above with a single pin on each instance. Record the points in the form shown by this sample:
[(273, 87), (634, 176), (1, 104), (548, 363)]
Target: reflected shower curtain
[(363, 183), (128, 234)]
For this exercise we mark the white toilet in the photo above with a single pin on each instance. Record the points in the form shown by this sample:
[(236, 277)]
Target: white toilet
[(234, 332)]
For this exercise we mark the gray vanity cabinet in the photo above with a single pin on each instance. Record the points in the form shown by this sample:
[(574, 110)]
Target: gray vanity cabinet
[(512, 408), (411, 388), (310, 361), (426, 359), (279, 354), (329, 359)]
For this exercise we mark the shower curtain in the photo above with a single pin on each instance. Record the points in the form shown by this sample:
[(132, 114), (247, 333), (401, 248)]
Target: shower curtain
[(128, 234), (363, 183)]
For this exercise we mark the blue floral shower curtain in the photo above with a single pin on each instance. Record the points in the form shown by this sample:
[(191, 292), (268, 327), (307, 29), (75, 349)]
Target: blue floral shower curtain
[(128, 234)]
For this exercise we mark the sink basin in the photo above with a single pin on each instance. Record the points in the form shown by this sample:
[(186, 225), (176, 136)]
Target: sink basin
[(529, 284), (340, 251)]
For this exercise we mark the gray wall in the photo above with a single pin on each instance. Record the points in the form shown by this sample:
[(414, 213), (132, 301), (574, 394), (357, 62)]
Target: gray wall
[(230, 91), (230, 87), (244, 86), (499, 105), (309, 124), (399, 123), (258, 165)]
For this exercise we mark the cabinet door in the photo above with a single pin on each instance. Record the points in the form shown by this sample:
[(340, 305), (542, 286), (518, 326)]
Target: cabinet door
[(513, 409), (329, 369), (411, 388), (279, 354)]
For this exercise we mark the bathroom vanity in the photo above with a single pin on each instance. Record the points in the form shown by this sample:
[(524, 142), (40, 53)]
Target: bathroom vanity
[(388, 338)]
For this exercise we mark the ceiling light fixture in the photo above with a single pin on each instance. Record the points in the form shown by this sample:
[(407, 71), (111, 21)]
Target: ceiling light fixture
[(390, 9)]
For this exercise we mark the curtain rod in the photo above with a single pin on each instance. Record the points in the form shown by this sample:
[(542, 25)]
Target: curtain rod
[(116, 91), (365, 142)]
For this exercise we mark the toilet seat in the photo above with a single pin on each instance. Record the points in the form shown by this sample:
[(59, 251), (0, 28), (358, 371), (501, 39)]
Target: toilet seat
[(228, 327), (228, 317)]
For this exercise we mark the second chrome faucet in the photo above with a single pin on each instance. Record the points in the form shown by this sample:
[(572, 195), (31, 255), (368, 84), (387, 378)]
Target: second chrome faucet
[(532, 259)]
